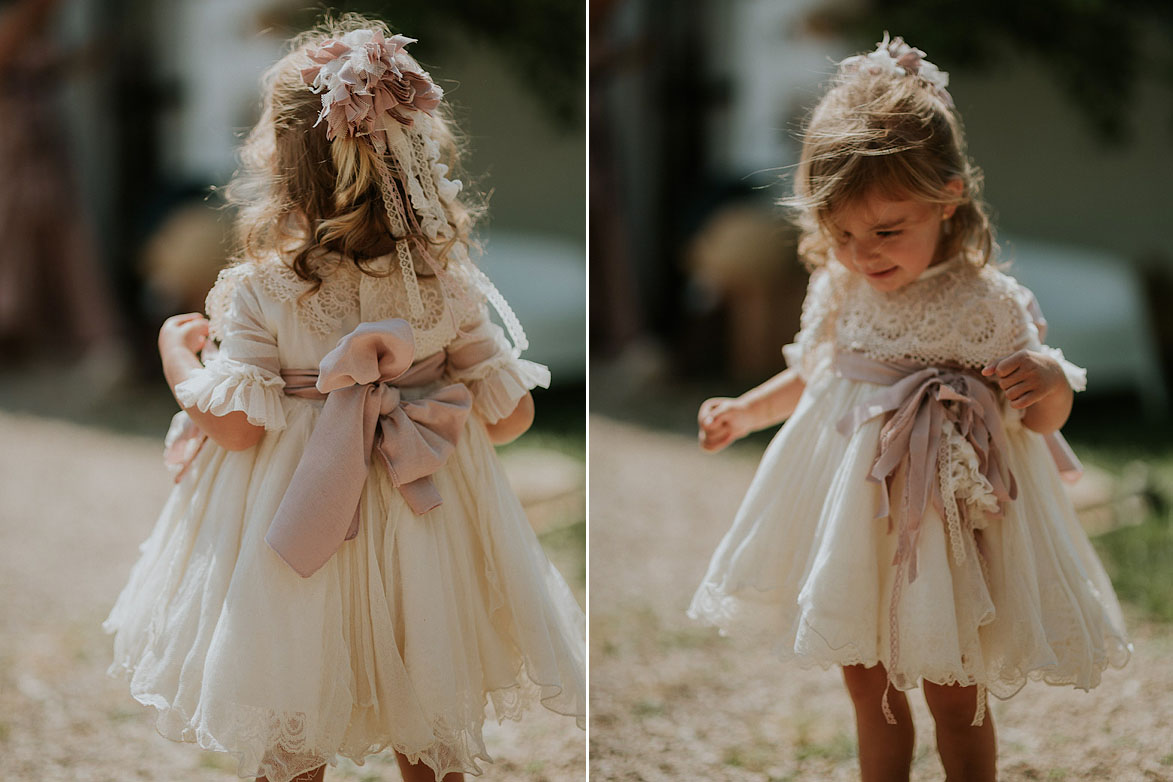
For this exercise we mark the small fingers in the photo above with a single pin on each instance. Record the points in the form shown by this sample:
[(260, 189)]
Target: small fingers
[(1027, 399), (715, 440)]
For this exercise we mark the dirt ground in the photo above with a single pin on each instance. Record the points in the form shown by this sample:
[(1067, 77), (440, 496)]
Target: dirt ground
[(75, 502), (671, 700)]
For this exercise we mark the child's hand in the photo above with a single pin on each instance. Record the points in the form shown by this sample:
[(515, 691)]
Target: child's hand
[(721, 421), (183, 332), (1027, 377)]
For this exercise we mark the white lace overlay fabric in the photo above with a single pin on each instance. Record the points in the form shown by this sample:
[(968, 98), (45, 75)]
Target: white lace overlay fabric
[(1001, 595), (954, 314), (415, 625)]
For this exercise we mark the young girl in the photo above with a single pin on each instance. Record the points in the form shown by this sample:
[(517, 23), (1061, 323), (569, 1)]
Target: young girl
[(342, 567), (909, 522)]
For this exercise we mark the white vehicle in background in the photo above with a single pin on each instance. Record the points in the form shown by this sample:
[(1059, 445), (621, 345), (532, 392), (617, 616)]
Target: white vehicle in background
[(1096, 313), (544, 280)]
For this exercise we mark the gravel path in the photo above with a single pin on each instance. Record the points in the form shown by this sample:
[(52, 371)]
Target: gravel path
[(74, 504), (670, 700)]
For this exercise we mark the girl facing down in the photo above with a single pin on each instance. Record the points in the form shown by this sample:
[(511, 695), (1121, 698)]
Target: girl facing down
[(342, 567), (909, 522)]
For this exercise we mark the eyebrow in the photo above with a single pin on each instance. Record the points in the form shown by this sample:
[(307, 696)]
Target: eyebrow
[(878, 226)]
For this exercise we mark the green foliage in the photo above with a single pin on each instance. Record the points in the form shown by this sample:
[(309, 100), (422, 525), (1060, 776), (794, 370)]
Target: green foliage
[(1096, 50), (1138, 558)]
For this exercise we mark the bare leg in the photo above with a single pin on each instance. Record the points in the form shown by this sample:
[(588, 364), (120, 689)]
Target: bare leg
[(419, 772), (317, 775), (885, 751), (969, 754)]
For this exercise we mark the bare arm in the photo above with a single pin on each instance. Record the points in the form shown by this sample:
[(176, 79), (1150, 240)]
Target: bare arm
[(180, 338), (1034, 383), (722, 420), (515, 424)]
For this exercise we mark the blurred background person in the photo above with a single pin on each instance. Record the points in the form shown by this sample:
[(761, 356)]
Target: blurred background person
[(54, 295)]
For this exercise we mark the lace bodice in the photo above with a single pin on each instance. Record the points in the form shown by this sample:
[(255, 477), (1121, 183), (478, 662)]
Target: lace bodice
[(347, 290), (953, 314)]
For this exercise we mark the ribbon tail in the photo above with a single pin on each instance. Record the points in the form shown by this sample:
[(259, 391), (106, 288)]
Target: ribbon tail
[(421, 495), (416, 439), (319, 509)]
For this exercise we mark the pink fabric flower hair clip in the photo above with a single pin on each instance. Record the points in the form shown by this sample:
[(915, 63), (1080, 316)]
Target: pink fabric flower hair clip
[(364, 75), (896, 58)]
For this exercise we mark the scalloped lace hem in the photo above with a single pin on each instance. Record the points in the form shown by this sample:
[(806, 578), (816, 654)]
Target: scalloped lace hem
[(455, 749), (730, 616)]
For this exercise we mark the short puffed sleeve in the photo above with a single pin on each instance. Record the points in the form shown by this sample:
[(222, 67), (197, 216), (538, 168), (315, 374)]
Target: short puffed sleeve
[(1034, 337), (812, 348), (482, 358), (244, 374)]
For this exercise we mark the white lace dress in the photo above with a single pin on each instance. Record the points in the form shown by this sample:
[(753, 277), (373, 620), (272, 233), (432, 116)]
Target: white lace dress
[(809, 565), (402, 637)]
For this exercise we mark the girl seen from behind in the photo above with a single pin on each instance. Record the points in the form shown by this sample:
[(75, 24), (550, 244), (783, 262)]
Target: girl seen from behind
[(909, 522), (342, 567)]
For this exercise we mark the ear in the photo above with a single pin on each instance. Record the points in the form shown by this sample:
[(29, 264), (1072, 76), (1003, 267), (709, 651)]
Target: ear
[(956, 188)]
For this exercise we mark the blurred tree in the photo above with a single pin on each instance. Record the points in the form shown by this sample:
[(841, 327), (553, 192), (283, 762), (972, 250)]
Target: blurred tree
[(1097, 50), (544, 41)]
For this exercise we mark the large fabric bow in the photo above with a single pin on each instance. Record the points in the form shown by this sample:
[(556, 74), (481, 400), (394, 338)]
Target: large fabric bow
[(921, 402), (365, 414)]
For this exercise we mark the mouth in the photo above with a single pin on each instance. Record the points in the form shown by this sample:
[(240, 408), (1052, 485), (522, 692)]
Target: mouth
[(881, 274)]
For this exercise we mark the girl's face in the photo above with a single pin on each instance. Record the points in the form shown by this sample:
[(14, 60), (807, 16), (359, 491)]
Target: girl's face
[(889, 243)]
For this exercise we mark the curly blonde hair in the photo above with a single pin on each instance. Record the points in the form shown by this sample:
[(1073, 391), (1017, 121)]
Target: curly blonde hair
[(299, 195), (891, 135)]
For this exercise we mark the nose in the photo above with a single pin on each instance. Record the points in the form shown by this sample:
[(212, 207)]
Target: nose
[(863, 250)]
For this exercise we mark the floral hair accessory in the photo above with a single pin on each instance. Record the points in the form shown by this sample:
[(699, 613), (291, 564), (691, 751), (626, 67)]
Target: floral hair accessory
[(371, 87), (363, 76), (896, 58)]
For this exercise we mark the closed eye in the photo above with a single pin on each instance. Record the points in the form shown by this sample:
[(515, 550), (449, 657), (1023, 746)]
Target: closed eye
[(887, 234)]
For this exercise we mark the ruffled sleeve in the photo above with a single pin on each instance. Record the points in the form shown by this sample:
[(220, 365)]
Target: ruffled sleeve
[(812, 346), (482, 358), (1034, 338), (244, 374)]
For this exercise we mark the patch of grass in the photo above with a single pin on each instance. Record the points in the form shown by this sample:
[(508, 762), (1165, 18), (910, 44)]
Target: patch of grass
[(1057, 774), (647, 708), (5, 730), (216, 761), (689, 638), (839, 748), (121, 714), (1139, 558), (1167, 760), (756, 756)]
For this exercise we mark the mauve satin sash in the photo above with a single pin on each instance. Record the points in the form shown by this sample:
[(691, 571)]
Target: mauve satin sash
[(363, 414), (920, 400)]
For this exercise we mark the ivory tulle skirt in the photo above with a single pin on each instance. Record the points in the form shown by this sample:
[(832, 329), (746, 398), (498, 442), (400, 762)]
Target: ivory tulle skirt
[(399, 641), (807, 566)]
